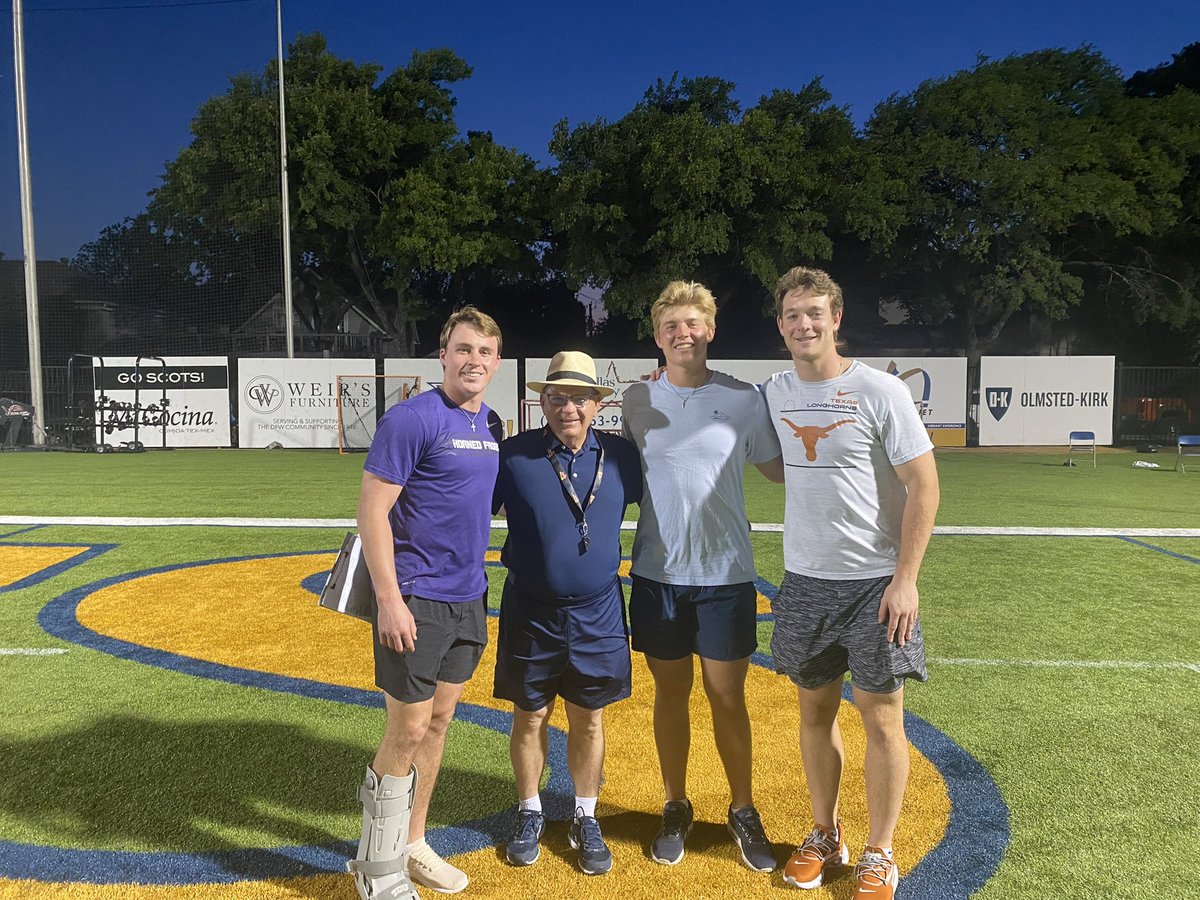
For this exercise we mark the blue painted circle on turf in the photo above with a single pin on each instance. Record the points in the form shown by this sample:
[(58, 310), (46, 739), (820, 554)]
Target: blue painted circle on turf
[(976, 837), (315, 582)]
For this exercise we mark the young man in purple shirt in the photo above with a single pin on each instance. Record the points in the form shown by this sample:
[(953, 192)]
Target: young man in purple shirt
[(424, 517)]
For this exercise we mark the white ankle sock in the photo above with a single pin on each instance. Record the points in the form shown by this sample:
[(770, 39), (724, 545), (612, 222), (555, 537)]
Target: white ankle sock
[(534, 803), (587, 805)]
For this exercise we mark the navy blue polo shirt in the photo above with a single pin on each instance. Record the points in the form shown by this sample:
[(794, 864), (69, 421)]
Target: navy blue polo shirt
[(543, 547)]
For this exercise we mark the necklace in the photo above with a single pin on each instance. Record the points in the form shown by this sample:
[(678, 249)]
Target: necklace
[(470, 418), (684, 398)]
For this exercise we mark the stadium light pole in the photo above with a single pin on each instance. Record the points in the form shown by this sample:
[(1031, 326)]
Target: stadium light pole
[(31, 289), (286, 224)]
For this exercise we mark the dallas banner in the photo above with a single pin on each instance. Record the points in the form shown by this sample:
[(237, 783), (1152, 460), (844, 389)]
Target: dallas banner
[(184, 397), (1041, 399)]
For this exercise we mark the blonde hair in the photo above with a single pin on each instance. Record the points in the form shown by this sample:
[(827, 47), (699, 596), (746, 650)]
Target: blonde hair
[(685, 293), (480, 321), (814, 281)]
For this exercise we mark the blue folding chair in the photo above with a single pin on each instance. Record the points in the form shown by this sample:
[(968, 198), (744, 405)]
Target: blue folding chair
[(1081, 442), (1189, 445)]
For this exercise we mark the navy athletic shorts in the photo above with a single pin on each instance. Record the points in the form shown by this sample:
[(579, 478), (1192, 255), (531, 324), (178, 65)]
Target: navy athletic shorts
[(548, 647), (671, 621)]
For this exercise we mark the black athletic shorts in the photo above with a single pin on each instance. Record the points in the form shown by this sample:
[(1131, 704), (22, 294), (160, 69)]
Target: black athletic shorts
[(450, 641)]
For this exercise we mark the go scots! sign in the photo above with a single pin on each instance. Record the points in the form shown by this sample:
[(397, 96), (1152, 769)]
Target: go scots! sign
[(196, 388)]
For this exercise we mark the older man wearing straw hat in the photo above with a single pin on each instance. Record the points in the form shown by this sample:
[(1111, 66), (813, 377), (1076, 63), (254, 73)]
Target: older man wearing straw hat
[(562, 631)]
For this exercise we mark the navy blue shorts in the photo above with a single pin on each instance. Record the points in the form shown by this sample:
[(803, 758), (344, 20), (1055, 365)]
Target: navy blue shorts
[(547, 648), (671, 621)]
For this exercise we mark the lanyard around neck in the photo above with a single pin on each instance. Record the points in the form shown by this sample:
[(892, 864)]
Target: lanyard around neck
[(579, 510)]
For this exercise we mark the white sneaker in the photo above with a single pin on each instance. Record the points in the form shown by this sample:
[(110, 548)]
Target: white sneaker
[(425, 866)]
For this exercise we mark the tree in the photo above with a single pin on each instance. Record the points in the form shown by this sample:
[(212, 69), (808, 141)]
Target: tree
[(384, 194), (1010, 170), (1158, 274), (1183, 71), (686, 186)]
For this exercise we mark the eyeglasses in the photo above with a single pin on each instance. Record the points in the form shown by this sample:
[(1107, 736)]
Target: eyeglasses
[(560, 400)]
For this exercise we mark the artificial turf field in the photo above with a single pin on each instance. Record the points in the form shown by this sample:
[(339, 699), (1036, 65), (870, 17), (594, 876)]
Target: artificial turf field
[(177, 719)]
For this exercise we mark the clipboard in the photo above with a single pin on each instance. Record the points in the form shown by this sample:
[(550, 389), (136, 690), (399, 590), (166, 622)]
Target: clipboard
[(348, 589)]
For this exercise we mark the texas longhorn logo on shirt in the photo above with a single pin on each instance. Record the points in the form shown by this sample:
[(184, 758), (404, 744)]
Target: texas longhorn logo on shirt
[(811, 434)]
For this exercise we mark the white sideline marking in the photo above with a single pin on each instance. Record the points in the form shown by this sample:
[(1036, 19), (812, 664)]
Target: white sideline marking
[(31, 651), (767, 527), (134, 521), (1069, 664)]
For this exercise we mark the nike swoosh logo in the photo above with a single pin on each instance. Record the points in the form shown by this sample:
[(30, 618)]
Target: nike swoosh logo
[(844, 393)]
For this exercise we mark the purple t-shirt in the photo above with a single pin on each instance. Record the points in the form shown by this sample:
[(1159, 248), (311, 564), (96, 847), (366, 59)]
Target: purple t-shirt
[(442, 519)]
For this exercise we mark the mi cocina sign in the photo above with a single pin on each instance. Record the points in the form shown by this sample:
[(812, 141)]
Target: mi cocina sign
[(1034, 400), (196, 389)]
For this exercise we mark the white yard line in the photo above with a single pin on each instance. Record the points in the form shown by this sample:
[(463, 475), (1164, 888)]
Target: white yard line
[(31, 651), (1067, 664), (766, 527)]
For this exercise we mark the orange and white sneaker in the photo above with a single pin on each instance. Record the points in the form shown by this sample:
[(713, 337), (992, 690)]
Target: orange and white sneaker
[(822, 847), (875, 875)]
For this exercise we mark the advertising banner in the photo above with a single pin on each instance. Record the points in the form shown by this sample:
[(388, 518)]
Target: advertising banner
[(1039, 400), (938, 386), (617, 374), (501, 393), (137, 397), (294, 402)]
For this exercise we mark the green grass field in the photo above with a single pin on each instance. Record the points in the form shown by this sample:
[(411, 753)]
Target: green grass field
[(1067, 666)]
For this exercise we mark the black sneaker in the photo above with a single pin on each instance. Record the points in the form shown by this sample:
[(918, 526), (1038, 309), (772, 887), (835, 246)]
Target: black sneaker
[(747, 830), (676, 826), (523, 848), (594, 855)]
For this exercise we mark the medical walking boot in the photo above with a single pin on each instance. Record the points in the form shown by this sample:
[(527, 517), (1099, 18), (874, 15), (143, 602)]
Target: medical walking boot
[(380, 869)]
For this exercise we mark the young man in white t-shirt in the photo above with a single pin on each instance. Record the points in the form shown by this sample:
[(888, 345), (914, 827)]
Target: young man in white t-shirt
[(862, 492), (693, 569)]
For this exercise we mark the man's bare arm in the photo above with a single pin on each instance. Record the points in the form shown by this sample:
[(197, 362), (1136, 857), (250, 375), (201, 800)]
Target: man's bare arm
[(395, 623), (900, 601), (772, 469)]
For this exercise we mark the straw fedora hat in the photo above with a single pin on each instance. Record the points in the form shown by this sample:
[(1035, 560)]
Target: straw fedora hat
[(570, 368)]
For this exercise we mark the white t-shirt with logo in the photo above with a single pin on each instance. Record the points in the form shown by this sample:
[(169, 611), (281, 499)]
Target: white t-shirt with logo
[(692, 528), (841, 441)]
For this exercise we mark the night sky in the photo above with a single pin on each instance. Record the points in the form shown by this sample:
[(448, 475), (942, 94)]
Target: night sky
[(112, 90)]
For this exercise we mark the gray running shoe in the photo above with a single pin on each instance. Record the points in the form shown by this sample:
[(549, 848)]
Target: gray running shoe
[(594, 855), (747, 830), (676, 826), (523, 848)]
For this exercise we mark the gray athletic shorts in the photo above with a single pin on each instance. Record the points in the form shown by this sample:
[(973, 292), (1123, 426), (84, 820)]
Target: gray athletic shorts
[(824, 628), (450, 641)]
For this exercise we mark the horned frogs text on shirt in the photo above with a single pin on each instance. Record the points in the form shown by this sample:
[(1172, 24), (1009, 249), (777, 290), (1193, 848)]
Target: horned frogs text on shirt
[(841, 441), (472, 444)]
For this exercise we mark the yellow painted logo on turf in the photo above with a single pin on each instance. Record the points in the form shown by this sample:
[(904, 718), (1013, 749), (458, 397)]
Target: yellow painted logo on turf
[(254, 614)]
